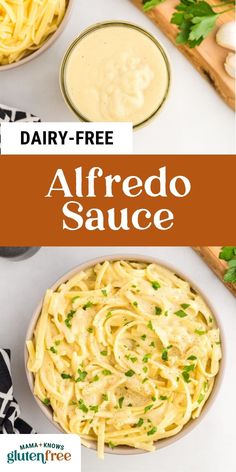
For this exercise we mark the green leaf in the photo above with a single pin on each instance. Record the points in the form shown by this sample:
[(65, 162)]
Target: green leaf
[(181, 314), (120, 401), (203, 25), (177, 18), (152, 431), (129, 373), (200, 9), (230, 275), (140, 423), (147, 408), (164, 355), (106, 372), (82, 376), (227, 253), (186, 376), (82, 406), (185, 306), (94, 408), (155, 285), (146, 358), (149, 4), (158, 311)]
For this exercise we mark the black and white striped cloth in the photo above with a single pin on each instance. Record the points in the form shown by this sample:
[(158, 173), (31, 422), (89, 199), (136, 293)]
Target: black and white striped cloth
[(10, 421), (9, 114)]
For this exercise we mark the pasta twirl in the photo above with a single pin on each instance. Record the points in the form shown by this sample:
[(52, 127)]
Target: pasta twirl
[(126, 353), (26, 24)]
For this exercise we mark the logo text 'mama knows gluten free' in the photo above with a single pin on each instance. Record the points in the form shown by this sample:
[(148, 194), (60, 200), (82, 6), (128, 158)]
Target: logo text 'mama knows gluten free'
[(39, 452), (54, 451)]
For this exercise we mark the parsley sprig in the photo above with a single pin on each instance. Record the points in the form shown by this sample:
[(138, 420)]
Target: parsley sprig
[(228, 254), (195, 19)]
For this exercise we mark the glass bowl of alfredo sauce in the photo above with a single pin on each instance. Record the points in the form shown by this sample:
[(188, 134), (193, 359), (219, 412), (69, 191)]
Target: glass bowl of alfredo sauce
[(115, 72)]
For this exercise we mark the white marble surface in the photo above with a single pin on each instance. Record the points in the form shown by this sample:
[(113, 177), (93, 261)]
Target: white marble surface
[(207, 448), (194, 120)]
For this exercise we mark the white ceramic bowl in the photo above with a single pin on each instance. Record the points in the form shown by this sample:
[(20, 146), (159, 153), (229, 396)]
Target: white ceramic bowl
[(192, 423), (51, 39)]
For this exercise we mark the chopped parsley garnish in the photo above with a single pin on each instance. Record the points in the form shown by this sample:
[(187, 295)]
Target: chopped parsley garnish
[(185, 306), (111, 445), (105, 397), (104, 292), (53, 350), (145, 369), (152, 344), (200, 332), (163, 397), (103, 353), (154, 399), (140, 423), (155, 285), (228, 254), (82, 406), (90, 330), (152, 431), (120, 401), (181, 314), (132, 359), (146, 358), (158, 310), (94, 408), (200, 398), (95, 378), (106, 372), (164, 355), (192, 358), (69, 317), (74, 298), (149, 325), (189, 368), (87, 305), (46, 401), (144, 380), (135, 304), (66, 376), (82, 376), (109, 314), (166, 313), (185, 376), (147, 408), (57, 343), (143, 337), (129, 373)]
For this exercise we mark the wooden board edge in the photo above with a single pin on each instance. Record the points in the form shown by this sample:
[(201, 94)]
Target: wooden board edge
[(213, 262), (205, 72)]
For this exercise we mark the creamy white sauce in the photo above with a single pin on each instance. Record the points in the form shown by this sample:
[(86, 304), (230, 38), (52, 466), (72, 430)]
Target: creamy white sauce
[(116, 73)]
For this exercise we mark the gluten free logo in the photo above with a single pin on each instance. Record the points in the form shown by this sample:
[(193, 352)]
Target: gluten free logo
[(39, 452), (50, 452)]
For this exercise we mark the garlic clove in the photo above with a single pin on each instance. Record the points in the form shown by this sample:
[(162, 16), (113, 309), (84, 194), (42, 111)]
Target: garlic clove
[(226, 35), (230, 64)]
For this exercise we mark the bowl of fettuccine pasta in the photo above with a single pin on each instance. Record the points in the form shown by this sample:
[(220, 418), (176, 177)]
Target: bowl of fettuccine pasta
[(29, 27), (126, 353)]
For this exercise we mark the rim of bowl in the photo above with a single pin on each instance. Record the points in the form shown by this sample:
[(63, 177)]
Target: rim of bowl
[(126, 450), (46, 45), (105, 24)]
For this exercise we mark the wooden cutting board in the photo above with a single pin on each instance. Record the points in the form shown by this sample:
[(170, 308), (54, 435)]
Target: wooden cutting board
[(208, 58), (210, 255)]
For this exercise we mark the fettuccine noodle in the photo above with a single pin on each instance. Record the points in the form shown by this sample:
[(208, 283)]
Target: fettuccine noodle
[(125, 353), (26, 24)]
